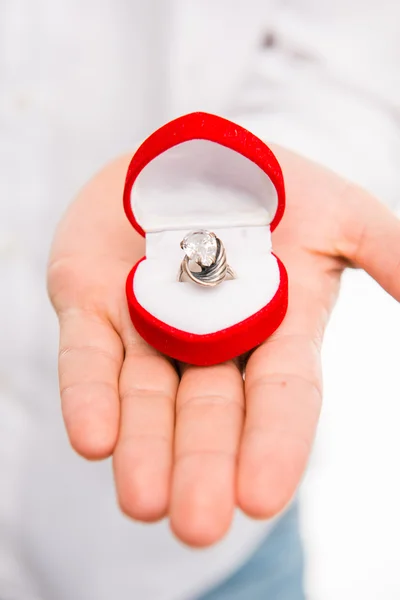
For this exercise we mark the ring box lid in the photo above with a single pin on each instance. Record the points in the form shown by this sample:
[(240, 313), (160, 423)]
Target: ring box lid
[(201, 170)]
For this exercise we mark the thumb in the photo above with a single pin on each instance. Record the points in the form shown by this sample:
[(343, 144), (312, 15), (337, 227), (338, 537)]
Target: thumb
[(370, 238)]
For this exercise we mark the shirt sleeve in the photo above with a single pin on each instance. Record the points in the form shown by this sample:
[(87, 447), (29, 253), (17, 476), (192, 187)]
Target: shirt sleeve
[(297, 100)]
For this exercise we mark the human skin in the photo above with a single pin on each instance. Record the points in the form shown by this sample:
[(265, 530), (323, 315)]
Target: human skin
[(192, 443)]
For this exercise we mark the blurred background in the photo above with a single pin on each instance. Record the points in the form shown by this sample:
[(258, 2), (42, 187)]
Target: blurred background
[(84, 81)]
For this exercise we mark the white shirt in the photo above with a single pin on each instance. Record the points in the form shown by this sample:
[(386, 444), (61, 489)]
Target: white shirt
[(82, 82)]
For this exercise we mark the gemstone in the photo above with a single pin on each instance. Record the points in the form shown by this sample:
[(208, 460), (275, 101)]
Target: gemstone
[(201, 247)]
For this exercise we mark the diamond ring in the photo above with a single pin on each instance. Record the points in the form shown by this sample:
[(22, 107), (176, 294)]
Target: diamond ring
[(205, 250)]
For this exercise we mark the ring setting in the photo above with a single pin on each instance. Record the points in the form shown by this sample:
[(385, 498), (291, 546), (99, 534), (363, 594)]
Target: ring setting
[(206, 254)]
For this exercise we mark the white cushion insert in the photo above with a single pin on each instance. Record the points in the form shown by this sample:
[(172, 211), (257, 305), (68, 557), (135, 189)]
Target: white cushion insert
[(192, 308), (202, 182)]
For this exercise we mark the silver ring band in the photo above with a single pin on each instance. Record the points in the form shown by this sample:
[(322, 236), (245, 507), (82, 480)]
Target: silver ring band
[(212, 274)]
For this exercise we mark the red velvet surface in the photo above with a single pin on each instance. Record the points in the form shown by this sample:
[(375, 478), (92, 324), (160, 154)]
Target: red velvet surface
[(212, 348), (203, 126), (227, 343)]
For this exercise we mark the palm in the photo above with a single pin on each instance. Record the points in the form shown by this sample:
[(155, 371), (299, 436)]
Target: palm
[(196, 445)]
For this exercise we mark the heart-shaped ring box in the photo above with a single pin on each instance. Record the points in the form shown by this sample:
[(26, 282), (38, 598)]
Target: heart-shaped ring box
[(201, 171)]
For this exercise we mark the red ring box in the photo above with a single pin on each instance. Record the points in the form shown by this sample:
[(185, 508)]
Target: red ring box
[(201, 171)]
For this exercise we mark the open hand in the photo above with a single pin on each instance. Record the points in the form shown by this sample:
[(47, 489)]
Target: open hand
[(196, 444)]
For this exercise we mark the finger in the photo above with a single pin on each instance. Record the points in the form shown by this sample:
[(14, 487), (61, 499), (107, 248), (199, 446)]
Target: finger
[(371, 238), (144, 452), (209, 417), (90, 360), (283, 399)]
